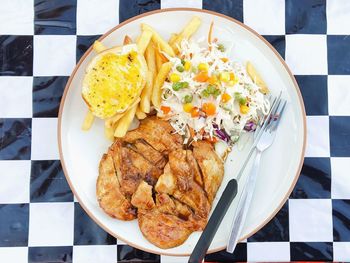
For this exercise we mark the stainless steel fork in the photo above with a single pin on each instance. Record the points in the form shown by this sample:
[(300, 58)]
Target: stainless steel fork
[(267, 137)]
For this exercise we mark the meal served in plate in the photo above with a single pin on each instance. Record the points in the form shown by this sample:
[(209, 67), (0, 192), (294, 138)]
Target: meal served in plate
[(184, 95)]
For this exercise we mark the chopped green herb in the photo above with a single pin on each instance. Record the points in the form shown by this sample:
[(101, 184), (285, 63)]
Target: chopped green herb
[(216, 93), (183, 61), (180, 85), (177, 86), (205, 93), (188, 98), (185, 84), (180, 68), (241, 100), (211, 88), (221, 47)]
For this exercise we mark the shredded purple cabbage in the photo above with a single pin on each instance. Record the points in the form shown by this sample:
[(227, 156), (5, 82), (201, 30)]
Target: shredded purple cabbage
[(222, 135), (250, 126)]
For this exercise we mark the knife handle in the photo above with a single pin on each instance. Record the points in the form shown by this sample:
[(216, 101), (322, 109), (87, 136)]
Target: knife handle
[(214, 222)]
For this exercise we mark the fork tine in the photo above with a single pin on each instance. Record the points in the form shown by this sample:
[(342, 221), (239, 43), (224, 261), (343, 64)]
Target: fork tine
[(268, 117), (278, 115), (265, 118)]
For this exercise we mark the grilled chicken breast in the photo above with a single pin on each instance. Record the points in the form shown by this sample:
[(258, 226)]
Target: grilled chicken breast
[(149, 175), (109, 195), (211, 166)]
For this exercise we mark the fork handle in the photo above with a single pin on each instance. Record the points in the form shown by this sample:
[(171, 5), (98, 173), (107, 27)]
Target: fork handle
[(213, 224), (243, 205)]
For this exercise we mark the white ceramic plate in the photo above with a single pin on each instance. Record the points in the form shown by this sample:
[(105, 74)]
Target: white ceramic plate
[(81, 151)]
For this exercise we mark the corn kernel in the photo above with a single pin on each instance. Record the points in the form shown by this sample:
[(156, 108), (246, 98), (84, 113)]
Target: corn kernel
[(187, 66), (224, 76), (187, 107), (244, 109), (174, 77), (232, 82), (203, 66)]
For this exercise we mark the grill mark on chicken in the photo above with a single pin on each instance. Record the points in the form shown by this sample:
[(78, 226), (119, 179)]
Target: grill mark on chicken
[(149, 153)]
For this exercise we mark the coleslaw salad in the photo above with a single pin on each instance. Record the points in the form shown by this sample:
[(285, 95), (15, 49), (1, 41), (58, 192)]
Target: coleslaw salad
[(209, 96)]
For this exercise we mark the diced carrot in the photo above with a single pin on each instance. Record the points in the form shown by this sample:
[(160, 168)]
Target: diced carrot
[(224, 59), (165, 109), (209, 108), (201, 76), (194, 112), (232, 76), (213, 79), (225, 97)]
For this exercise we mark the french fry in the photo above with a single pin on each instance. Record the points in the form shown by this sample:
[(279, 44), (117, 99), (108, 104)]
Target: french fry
[(145, 103), (158, 83), (110, 122), (88, 121), (187, 32), (159, 60), (124, 122), (127, 40), (109, 133), (144, 40), (257, 79), (140, 114), (159, 40), (172, 38), (98, 46)]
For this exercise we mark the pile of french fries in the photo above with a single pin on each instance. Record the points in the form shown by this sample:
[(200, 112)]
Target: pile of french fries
[(155, 50)]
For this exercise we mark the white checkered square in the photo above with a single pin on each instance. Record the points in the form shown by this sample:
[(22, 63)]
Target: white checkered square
[(14, 254), (339, 95), (307, 54), (341, 251), (54, 55), (267, 18), (44, 139), (16, 17), (338, 17), (268, 251), (16, 97), (340, 178), (51, 224), (95, 17), (181, 3), (15, 181), (317, 136), (310, 220), (93, 254)]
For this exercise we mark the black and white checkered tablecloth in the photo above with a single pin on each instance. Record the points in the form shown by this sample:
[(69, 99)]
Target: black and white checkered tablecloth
[(41, 41)]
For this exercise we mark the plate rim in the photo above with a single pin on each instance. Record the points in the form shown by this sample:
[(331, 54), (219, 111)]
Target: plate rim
[(165, 10)]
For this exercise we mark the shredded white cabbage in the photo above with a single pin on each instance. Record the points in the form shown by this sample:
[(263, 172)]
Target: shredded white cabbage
[(237, 101)]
